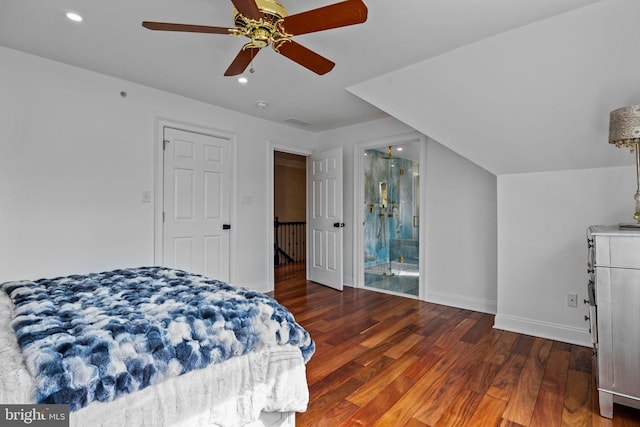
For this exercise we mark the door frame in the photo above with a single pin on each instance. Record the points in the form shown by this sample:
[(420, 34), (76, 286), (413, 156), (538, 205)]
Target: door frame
[(358, 213), (272, 147), (158, 185)]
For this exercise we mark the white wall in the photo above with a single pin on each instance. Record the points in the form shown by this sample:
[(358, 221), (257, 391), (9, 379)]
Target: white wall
[(542, 221), (75, 157), (460, 213), (462, 228)]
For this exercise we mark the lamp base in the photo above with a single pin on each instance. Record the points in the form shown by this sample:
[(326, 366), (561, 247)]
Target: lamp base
[(631, 226)]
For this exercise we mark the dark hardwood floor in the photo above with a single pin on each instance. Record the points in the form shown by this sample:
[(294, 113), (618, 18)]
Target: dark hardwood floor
[(383, 360)]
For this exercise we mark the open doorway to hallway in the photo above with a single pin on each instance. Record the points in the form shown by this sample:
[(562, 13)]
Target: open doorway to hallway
[(289, 212)]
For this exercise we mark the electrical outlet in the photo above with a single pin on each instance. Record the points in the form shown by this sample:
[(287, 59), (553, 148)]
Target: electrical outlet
[(572, 300)]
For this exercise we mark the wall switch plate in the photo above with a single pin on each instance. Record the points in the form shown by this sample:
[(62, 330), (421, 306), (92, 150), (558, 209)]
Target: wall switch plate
[(572, 300)]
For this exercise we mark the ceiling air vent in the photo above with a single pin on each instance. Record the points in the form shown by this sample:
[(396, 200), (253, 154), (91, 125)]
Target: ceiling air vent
[(297, 122)]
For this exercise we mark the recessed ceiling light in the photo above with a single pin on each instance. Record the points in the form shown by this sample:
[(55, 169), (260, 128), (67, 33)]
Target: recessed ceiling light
[(74, 17), (243, 80), (399, 148), (262, 104)]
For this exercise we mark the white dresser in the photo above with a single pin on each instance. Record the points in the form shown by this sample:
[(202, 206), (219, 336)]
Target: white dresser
[(614, 297)]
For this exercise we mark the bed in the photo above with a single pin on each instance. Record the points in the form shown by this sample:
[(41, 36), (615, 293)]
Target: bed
[(152, 346)]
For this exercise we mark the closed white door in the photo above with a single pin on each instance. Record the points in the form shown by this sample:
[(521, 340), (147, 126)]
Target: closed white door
[(325, 218), (197, 174)]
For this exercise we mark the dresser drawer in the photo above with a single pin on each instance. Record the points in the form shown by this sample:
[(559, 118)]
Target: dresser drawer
[(618, 251)]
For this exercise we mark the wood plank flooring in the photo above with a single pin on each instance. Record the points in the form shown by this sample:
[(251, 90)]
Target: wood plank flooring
[(383, 360)]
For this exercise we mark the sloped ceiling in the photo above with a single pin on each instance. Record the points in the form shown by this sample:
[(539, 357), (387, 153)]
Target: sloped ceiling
[(111, 41), (533, 99)]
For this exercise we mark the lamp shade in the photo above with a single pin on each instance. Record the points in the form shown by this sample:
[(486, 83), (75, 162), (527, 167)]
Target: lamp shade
[(624, 126)]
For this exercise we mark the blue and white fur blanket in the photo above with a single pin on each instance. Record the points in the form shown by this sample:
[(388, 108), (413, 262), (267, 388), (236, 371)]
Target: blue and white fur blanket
[(95, 337)]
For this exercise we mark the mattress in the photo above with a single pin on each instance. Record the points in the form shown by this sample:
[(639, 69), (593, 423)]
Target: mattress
[(232, 392)]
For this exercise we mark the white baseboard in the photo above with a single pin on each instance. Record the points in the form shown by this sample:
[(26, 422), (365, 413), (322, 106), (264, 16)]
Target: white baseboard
[(552, 331), (461, 301)]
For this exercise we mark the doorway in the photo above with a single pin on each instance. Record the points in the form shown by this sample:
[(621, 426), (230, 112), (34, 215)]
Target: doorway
[(389, 244), (391, 220), (324, 214), (289, 213)]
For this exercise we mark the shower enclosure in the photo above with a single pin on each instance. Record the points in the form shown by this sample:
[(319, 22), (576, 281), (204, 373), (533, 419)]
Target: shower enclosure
[(391, 219)]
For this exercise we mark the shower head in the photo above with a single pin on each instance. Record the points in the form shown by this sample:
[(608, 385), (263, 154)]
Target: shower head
[(389, 154)]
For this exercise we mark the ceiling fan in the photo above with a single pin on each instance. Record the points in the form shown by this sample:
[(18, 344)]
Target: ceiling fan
[(267, 22)]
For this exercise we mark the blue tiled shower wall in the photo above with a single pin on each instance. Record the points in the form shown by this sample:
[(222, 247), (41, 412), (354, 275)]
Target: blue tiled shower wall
[(407, 248), (390, 232)]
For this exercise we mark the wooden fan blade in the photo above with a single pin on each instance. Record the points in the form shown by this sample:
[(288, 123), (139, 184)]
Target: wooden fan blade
[(305, 57), (242, 61), (247, 8), (342, 14), (167, 26)]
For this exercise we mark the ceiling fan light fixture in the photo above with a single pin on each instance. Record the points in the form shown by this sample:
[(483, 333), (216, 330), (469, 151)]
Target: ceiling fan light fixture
[(260, 36), (262, 31), (243, 80)]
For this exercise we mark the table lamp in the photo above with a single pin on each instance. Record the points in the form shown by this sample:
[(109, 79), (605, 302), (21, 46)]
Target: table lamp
[(624, 131)]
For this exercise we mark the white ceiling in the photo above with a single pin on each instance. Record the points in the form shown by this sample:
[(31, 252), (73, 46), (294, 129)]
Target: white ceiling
[(397, 34), (534, 99)]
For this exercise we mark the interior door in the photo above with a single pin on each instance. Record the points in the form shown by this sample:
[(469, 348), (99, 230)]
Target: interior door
[(325, 218), (197, 187)]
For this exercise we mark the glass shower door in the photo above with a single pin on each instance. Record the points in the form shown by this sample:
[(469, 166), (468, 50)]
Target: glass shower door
[(391, 221)]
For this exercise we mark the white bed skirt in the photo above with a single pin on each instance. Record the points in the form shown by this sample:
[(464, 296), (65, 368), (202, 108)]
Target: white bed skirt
[(263, 388), (276, 419)]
